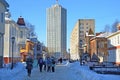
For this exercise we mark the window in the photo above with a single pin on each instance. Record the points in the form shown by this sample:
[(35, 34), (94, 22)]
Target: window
[(38, 47), (2, 17), (118, 40), (31, 47), (21, 34)]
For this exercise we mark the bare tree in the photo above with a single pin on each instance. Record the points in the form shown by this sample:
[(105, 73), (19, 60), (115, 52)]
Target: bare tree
[(114, 26), (31, 29), (107, 28)]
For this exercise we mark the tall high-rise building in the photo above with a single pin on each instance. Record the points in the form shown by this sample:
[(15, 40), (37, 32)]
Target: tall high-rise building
[(77, 38), (56, 30)]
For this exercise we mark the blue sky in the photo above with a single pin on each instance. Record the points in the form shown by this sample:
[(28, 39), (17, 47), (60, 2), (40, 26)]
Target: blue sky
[(34, 11)]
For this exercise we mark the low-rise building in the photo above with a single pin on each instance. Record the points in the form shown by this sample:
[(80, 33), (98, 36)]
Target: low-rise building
[(98, 46), (88, 36), (3, 7), (14, 51), (11, 30), (27, 50), (114, 47)]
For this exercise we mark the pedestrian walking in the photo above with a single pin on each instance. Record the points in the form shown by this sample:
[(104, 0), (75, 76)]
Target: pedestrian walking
[(29, 65), (60, 60), (40, 62), (53, 65), (49, 64), (45, 64)]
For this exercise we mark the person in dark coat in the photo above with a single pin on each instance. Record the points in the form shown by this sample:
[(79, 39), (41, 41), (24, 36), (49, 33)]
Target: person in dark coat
[(53, 65), (29, 65), (40, 62), (60, 60), (45, 64), (49, 63)]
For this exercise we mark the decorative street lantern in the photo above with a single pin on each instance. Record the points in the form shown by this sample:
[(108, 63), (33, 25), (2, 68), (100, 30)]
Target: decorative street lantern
[(13, 40)]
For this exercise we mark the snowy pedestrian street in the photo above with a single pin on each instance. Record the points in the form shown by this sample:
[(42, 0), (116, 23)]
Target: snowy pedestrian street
[(65, 71), (62, 72)]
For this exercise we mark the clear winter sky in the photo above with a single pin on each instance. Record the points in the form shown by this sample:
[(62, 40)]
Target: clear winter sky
[(34, 11)]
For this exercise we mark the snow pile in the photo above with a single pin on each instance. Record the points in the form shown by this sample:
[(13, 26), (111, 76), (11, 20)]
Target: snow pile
[(7, 73), (86, 74)]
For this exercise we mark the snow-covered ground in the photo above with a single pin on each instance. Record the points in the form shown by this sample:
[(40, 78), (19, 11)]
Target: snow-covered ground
[(65, 71), (17, 71), (86, 74)]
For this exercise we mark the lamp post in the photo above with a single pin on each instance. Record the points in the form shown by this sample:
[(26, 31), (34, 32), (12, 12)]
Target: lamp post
[(97, 46), (80, 51), (69, 54), (13, 40)]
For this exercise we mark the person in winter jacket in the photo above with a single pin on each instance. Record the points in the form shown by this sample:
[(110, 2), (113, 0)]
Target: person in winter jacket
[(49, 63), (40, 62), (45, 64), (53, 65), (29, 65)]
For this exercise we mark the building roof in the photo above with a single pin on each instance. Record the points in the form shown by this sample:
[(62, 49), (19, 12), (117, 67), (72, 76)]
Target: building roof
[(113, 34), (5, 3), (90, 32), (104, 34), (21, 21), (56, 4)]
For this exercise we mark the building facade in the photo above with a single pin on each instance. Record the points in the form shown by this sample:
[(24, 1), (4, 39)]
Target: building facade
[(3, 7), (27, 50), (25, 46), (35, 41), (114, 47), (77, 38), (21, 34), (98, 46), (11, 30), (56, 30), (88, 36)]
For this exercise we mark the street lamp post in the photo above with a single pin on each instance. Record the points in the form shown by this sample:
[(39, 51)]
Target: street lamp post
[(69, 54), (97, 46), (80, 51), (13, 40)]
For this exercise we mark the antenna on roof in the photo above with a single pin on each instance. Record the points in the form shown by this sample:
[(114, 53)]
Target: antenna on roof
[(57, 1)]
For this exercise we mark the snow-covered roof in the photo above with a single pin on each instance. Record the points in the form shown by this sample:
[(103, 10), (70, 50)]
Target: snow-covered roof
[(104, 34), (90, 34), (115, 33), (4, 2), (8, 19)]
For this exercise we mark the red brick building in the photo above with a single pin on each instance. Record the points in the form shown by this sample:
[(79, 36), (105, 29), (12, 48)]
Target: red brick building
[(98, 45)]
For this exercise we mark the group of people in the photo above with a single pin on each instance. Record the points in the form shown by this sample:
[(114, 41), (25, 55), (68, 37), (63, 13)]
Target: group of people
[(48, 64)]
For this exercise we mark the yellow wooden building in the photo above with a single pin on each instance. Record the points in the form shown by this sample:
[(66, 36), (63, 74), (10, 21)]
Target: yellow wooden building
[(27, 50)]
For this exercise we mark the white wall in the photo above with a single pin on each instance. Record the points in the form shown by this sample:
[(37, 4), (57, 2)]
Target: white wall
[(114, 47), (2, 11)]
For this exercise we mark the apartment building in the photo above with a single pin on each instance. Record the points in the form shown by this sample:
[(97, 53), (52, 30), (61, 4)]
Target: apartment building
[(57, 30), (77, 38)]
